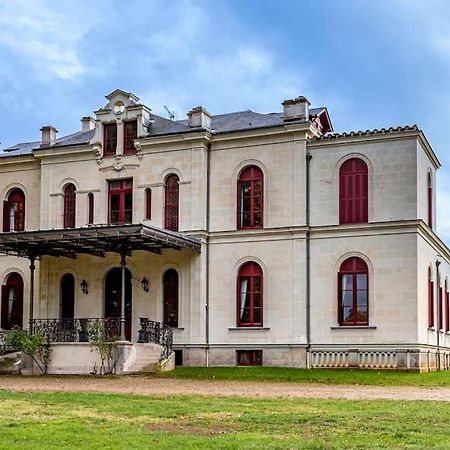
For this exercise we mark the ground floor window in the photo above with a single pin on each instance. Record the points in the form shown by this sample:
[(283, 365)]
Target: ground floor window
[(250, 295), (170, 294), (249, 357), (12, 302)]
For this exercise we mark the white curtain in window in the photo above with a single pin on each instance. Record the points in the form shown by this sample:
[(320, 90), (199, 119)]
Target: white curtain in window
[(12, 217), (10, 303), (244, 285)]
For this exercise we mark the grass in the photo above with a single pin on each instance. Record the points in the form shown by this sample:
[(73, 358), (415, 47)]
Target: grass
[(97, 421), (324, 376)]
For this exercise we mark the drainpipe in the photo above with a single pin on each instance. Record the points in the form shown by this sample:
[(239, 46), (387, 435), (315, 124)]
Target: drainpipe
[(308, 254), (208, 211)]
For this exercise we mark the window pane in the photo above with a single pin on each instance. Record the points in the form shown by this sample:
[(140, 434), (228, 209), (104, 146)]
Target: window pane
[(114, 184), (257, 315), (128, 200), (347, 313), (245, 316), (361, 315), (361, 281), (347, 298), (257, 284), (128, 183), (257, 219), (257, 300), (361, 298), (115, 202), (347, 282), (257, 187), (114, 216), (246, 219)]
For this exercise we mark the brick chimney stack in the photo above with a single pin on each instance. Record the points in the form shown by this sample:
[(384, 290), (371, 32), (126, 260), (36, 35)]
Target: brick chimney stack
[(199, 118), (87, 123), (48, 136), (296, 109)]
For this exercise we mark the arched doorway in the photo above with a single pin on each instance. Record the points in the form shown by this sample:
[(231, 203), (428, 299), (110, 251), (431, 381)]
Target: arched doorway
[(67, 297), (12, 302), (170, 293), (113, 291)]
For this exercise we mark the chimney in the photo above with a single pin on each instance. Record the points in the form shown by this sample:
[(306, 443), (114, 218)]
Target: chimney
[(199, 118), (48, 136), (87, 123), (296, 109)]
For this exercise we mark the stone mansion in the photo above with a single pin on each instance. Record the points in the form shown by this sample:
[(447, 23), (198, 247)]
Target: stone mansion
[(255, 239)]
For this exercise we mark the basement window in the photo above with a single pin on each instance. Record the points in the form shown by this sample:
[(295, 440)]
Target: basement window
[(249, 357)]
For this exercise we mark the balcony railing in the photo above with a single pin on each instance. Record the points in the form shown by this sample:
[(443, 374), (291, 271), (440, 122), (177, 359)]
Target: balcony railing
[(75, 330), (158, 333)]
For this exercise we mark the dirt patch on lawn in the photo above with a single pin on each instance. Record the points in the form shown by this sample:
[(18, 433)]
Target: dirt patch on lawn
[(163, 386), (194, 430)]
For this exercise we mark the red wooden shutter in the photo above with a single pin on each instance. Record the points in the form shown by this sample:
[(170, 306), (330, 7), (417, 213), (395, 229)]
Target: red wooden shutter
[(440, 310), (69, 206), (6, 216), (447, 312), (430, 304), (430, 206), (90, 208), (148, 203)]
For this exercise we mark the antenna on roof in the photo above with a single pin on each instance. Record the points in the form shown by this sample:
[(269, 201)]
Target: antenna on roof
[(171, 114)]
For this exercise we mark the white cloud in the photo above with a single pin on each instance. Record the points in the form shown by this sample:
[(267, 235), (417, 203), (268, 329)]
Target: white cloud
[(46, 34)]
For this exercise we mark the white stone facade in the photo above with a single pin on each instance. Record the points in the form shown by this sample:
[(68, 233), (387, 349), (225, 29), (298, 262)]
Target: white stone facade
[(300, 249)]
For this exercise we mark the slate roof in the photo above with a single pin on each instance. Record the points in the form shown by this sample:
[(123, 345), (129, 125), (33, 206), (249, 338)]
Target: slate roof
[(160, 126)]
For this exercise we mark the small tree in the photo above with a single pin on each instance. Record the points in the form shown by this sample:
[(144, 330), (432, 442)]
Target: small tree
[(36, 346), (105, 343)]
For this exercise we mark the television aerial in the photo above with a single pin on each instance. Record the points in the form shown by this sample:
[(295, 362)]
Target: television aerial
[(171, 113)]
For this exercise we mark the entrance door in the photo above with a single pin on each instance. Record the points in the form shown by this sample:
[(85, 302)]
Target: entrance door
[(12, 302), (67, 301), (113, 291)]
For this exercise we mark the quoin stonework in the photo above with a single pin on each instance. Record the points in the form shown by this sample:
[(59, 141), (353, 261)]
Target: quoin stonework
[(222, 240)]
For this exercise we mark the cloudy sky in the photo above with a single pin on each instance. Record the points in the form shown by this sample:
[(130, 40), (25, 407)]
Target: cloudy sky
[(372, 63)]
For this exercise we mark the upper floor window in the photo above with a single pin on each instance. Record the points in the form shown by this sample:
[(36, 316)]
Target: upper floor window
[(250, 295), (353, 192), (171, 202), (69, 206), (148, 203), (90, 198), (353, 282), (430, 200), (109, 139), (430, 300), (120, 201), (129, 135), (14, 211), (250, 198)]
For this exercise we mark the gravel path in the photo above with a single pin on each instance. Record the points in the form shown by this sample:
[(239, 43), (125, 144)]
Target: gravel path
[(163, 386)]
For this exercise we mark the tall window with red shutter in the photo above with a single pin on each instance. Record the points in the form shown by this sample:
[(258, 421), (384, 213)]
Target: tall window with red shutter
[(250, 198), (14, 211), (171, 202), (120, 201), (250, 295), (148, 203), (69, 206), (109, 139), (353, 192), (441, 309), (430, 300), (12, 302), (170, 295), (353, 289), (447, 306), (129, 135), (90, 197)]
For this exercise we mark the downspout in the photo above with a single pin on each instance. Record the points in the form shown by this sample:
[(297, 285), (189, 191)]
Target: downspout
[(308, 256), (208, 211)]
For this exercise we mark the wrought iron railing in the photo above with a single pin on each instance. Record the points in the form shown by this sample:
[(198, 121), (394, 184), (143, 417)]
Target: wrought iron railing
[(158, 333), (4, 346), (75, 330)]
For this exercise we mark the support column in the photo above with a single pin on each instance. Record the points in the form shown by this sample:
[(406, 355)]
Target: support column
[(123, 263), (31, 317)]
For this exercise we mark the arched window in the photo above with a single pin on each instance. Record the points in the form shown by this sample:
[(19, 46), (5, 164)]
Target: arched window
[(250, 198), (67, 297), (430, 299), (353, 192), (69, 206), (353, 282), (170, 294), (12, 302), (90, 198), (430, 200), (171, 199), (148, 203), (250, 295), (14, 211), (447, 306)]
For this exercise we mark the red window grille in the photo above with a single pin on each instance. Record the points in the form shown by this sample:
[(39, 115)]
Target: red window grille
[(250, 295), (170, 295), (249, 357), (90, 208), (120, 201), (447, 310), (353, 192), (171, 199), (148, 203), (12, 302), (69, 206), (250, 198), (109, 139), (441, 309), (430, 303), (430, 201), (353, 291), (14, 211), (129, 135)]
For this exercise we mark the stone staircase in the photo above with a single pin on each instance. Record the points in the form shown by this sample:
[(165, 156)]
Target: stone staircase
[(143, 358)]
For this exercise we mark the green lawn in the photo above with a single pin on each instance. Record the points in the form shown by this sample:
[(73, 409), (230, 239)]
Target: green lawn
[(326, 376), (100, 421)]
